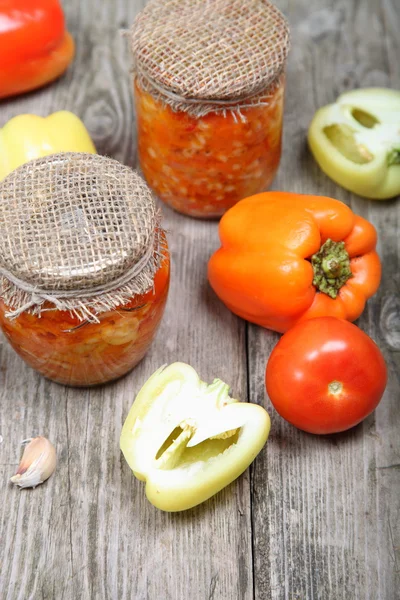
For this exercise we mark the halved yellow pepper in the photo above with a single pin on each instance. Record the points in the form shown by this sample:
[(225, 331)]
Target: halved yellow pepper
[(188, 439), (356, 142), (27, 137)]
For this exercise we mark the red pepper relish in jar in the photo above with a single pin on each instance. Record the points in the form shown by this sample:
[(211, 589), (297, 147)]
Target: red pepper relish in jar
[(84, 267), (209, 89)]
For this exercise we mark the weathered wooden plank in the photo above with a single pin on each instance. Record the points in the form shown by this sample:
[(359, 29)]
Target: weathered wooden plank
[(89, 531), (326, 510), (391, 18)]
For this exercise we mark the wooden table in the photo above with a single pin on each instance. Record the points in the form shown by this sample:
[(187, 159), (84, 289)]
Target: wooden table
[(315, 517)]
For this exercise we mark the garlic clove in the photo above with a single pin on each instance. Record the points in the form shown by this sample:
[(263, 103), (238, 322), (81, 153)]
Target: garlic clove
[(37, 464)]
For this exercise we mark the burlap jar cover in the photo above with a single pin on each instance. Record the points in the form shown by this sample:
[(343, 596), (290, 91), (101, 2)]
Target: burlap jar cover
[(78, 232), (202, 56)]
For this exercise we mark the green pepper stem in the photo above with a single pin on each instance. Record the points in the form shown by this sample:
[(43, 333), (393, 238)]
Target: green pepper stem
[(220, 391), (393, 157), (331, 266)]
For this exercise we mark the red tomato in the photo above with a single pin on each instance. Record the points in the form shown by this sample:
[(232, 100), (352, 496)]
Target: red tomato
[(325, 375)]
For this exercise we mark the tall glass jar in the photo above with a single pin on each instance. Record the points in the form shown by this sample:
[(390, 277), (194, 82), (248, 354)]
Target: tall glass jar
[(85, 267), (209, 93)]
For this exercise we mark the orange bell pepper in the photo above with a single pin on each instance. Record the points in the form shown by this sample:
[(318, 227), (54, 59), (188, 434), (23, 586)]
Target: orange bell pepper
[(35, 48), (289, 257)]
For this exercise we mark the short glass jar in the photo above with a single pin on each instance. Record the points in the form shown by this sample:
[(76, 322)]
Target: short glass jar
[(209, 97), (101, 325), (84, 353)]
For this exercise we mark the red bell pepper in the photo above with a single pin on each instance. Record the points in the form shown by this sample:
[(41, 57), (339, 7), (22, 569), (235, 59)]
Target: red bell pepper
[(35, 47)]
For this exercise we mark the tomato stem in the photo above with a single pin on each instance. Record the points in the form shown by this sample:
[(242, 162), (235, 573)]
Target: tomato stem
[(331, 265), (335, 387)]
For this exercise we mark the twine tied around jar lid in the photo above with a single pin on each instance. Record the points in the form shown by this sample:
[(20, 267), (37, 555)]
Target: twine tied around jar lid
[(202, 56), (78, 232)]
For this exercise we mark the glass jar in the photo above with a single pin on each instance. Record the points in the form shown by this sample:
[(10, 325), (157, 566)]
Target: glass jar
[(84, 267), (209, 81), (201, 166), (82, 353)]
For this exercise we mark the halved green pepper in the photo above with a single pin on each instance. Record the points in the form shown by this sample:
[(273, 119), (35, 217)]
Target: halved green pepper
[(188, 439), (356, 142)]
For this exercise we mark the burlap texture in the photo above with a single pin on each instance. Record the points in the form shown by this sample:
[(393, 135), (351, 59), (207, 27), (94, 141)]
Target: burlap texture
[(209, 55), (77, 231)]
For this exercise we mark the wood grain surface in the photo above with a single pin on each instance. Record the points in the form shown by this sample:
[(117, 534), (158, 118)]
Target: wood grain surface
[(315, 517)]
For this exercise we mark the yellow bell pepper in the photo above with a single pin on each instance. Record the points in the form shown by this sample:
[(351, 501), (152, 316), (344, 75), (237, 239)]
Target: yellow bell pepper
[(356, 142), (27, 137), (188, 439)]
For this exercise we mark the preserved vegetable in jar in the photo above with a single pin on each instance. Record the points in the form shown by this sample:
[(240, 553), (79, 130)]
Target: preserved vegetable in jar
[(209, 94), (75, 352), (204, 166), (84, 267)]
